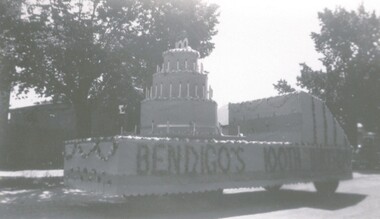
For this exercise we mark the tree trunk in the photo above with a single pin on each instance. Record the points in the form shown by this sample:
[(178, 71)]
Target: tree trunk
[(352, 129), (83, 119), (353, 134), (5, 90)]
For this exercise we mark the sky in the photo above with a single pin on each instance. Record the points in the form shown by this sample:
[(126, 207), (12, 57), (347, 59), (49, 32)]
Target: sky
[(258, 43)]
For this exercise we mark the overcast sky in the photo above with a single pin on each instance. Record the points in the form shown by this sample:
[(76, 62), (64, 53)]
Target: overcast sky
[(260, 42)]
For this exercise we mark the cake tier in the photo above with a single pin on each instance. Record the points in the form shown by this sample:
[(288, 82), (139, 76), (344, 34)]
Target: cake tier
[(180, 59), (178, 117), (179, 85)]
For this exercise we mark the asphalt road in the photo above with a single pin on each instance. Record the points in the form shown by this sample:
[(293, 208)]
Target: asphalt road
[(357, 198)]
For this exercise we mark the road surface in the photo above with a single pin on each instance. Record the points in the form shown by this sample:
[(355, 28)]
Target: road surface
[(358, 198)]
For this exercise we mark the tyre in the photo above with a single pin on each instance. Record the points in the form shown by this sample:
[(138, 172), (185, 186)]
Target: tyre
[(218, 192), (274, 188), (212, 196), (326, 187)]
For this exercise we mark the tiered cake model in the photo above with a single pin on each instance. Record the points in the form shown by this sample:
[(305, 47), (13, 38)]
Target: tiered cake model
[(179, 102)]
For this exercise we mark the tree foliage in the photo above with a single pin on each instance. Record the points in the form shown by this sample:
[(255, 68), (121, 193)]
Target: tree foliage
[(89, 52), (283, 87), (10, 28), (349, 42)]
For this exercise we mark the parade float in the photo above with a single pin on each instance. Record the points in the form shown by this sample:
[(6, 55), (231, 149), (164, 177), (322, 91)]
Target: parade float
[(181, 149)]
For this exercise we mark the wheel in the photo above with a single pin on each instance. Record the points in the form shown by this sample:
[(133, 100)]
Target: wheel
[(326, 187), (212, 196), (274, 188), (218, 192)]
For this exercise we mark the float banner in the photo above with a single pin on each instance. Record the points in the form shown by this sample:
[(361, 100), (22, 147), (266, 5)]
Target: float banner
[(161, 165)]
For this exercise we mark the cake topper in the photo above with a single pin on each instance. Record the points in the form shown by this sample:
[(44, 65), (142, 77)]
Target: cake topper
[(182, 44)]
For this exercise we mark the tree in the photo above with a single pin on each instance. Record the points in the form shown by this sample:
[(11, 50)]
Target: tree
[(10, 27), (283, 87), (86, 51), (350, 82)]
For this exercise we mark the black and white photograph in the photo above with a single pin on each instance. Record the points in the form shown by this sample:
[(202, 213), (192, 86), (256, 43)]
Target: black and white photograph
[(204, 109)]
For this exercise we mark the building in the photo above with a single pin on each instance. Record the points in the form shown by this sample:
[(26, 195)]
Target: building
[(37, 133), (296, 117)]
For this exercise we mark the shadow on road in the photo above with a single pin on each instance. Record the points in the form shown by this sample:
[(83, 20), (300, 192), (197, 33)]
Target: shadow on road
[(368, 171), (219, 206), (49, 199)]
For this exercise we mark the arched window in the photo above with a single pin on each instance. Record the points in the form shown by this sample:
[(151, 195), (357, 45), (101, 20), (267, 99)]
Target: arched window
[(185, 43), (204, 91), (188, 90), (170, 90), (161, 90), (179, 89)]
